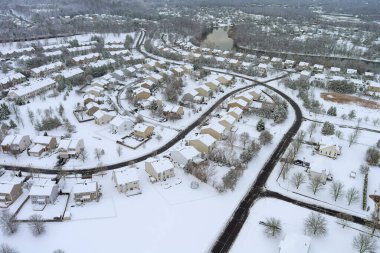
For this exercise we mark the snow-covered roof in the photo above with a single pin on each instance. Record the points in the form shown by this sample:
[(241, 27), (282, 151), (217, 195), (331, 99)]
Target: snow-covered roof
[(99, 114), (262, 66), (45, 140), (239, 101), (206, 139), (318, 66), (47, 67), (188, 152), (7, 186), (141, 90), (236, 110), (8, 140), (216, 127), (125, 176), (86, 57), (85, 187), (334, 69), (53, 53), (303, 64), (17, 50), (162, 165), (34, 86), (67, 73), (352, 71), (37, 148), (82, 48), (11, 77), (118, 121), (55, 46), (101, 63), (230, 119), (293, 243), (41, 190), (140, 127)]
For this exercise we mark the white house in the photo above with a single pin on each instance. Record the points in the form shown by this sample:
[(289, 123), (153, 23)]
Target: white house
[(295, 243), (43, 194), (204, 143), (33, 89), (121, 124), (15, 144), (70, 147), (127, 181), (185, 155), (331, 151), (86, 191)]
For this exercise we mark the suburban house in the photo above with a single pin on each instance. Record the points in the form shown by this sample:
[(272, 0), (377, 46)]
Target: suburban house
[(95, 90), (335, 71), (16, 51), (87, 98), (190, 96), (147, 84), (72, 73), (121, 124), (42, 144), (127, 181), (213, 85), (303, 66), (236, 112), (43, 194), (86, 191), (12, 79), (203, 91), (352, 73), (70, 147), (317, 68), (264, 59), (295, 243), (178, 71), (101, 83), (331, 151), (159, 170), (15, 144), (256, 96), (246, 96), (289, 64), (369, 76), (373, 86), (10, 191), (47, 69), (225, 79), (173, 111), (204, 143), (103, 117), (141, 93), (240, 103), (277, 63), (130, 71), (92, 108), (86, 58), (185, 155), (318, 172), (216, 130), (142, 130), (227, 121), (35, 88), (156, 78), (262, 69)]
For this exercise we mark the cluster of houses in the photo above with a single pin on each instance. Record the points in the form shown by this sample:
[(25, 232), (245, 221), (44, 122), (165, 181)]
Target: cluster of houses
[(16, 144)]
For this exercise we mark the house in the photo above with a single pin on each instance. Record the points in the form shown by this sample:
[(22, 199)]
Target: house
[(225, 79), (100, 83), (235, 112), (143, 131), (256, 96), (188, 68), (295, 243), (156, 78), (204, 143), (216, 130), (317, 68), (15, 144), (101, 63), (95, 90), (17, 51), (289, 64), (127, 181), (190, 96), (277, 63), (173, 111), (43, 194), (131, 71), (185, 155), (335, 71), (10, 191), (227, 121), (240, 103), (213, 85), (86, 58), (160, 170), (86, 192), (331, 151), (318, 172), (46, 69), (121, 124), (141, 93), (103, 117), (264, 59), (70, 148), (92, 108), (148, 84), (305, 74), (178, 71), (373, 86), (234, 63), (69, 74), (152, 65), (12, 79), (203, 91), (246, 96), (34, 88), (42, 144), (352, 73), (303, 66), (262, 69), (369, 76)]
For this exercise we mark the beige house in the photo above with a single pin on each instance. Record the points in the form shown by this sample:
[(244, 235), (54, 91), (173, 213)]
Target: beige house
[(92, 108), (173, 111), (86, 192), (246, 96), (213, 85), (204, 143), (216, 130), (15, 144), (142, 130), (303, 66), (236, 112), (277, 63), (141, 93), (178, 71), (203, 91), (10, 191), (103, 117), (127, 181), (42, 144), (159, 170), (331, 151), (262, 69), (225, 79), (256, 96), (147, 84), (95, 90), (373, 86), (227, 121), (240, 103)]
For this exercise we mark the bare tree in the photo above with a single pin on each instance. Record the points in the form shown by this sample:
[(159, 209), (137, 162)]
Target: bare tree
[(244, 138), (231, 139), (83, 155), (352, 195), (8, 222), (311, 129), (298, 178), (265, 137), (316, 225), (272, 227), (98, 153), (58, 251), (119, 150), (336, 190), (316, 184), (364, 243), (344, 219), (36, 224), (5, 248)]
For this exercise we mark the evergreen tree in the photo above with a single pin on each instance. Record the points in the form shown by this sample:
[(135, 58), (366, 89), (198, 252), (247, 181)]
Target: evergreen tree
[(260, 125)]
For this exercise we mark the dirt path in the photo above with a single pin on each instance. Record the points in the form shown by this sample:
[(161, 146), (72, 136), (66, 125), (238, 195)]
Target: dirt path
[(348, 99)]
